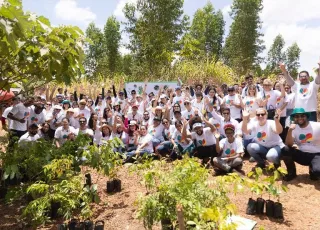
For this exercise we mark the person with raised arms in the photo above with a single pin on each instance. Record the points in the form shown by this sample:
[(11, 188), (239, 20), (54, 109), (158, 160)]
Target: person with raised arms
[(267, 143), (303, 145)]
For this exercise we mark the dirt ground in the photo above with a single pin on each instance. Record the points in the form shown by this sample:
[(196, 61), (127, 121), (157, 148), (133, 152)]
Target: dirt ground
[(301, 205)]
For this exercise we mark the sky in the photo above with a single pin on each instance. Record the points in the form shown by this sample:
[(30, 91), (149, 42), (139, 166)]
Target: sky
[(296, 20)]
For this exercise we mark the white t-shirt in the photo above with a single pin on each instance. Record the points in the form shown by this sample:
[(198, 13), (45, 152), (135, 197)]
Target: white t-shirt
[(146, 139), (85, 131), (62, 134), (291, 100), (84, 113), (27, 138), (5, 115), (280, 102), (156, 131), (206, 139), (306, 96), (265, 135), (272, 96), (168, 132), (137, 117), (58, 119), (188, 114), (251, 104), (308, 138), (177, 137), (231, 149), (21, 112), (36, 118), (180, 100), (198, 106), (235, 112), (216, 117)]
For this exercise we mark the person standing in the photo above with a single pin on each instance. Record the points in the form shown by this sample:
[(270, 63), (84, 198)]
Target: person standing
[(305, 91)]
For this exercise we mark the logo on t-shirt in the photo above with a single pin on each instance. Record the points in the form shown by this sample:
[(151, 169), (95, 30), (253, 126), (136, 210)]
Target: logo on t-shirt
[(217, 126), (152, 131), (261, 136), (34, 119), (304, 92), (65, 136), (305, 138), (228, 102), (249, 103), (81, 114), (278, 100), (179, 138), (229, 151), (202, 142), (26, 114)]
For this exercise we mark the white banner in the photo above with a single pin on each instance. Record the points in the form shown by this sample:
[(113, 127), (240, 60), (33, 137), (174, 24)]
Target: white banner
[(151, 86)]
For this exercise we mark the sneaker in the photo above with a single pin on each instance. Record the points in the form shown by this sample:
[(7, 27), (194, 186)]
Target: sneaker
[(289, 177), (251, 159)]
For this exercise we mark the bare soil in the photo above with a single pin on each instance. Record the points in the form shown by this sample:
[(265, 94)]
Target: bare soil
[(301, 204)]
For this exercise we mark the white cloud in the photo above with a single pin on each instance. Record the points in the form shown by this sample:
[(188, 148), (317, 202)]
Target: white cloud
[(293, 19), (69, 10), (121, 4), (226, 10)]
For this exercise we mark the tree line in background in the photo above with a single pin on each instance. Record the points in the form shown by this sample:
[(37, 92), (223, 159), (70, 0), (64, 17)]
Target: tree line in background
[(165, 44)]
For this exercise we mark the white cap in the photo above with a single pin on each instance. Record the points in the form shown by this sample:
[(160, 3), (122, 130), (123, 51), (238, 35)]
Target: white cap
[(196, 125), (163, 96), (57, 107)]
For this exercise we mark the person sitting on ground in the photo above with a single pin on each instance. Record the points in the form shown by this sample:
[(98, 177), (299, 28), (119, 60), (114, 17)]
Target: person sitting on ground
[(204, 138), (305, 135), (267, 143), (62, 133), (31, 136), (230, 151)]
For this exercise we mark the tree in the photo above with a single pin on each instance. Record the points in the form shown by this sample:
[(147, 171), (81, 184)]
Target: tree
[(292, 60), (243, 44), (154, 28), (276, 55), (112, 37), (32, 53), (95, 61), (208, 28)]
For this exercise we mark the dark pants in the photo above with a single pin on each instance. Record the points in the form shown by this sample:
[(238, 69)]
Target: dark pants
[(313, 116), (15, 136), (283, 135), (205, 152), (291, 155), (239, 120)]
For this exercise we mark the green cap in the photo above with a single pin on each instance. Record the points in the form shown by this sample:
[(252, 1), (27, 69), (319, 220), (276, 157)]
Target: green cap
[(299, 111)]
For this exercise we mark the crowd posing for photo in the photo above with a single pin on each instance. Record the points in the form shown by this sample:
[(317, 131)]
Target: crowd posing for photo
[(270, 121)]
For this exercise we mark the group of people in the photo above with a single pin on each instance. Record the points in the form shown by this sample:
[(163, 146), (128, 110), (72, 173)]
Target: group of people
[(270, 121)]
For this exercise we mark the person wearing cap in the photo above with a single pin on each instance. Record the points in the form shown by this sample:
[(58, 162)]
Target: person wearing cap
[(134, 114), (303, 145), (230, 151), (19, 116), (198, 102), (105, 135), (204, 139), (36, 114), (83, 111), (64, 132), (54, 119), (189, 112), (163, 100), (133, 128), (72, 121), (178, 98), (31, 136), (66, 104), (233, 102), (306, 91), (155, 130), (267, 144)]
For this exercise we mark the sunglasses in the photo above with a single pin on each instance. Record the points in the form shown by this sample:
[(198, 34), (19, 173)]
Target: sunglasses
[(260, 114), (49, 104), (82, 121), (164, 123)]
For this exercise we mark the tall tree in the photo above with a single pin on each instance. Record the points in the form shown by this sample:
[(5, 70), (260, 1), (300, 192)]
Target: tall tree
[(292, 60), (243, 44), (276, 55), (208, 28), (112, 37), (154, 28), (94, 64)]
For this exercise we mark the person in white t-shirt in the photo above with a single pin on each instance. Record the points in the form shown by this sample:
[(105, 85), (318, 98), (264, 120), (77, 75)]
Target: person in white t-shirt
[(83, 111), (31, 136), (233, 102), (19, 116), (83, 129), (15, 101), (230, 151), (155, 130), (306, 92), (305, 135), (37, 115), (143, 141), (203, 137), (64, 133), (54, 118), (267, 143)]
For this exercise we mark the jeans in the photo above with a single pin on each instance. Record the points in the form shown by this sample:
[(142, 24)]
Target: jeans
[(156, 141), (260, 153), (246, 142), (142, 152), (164, 147)]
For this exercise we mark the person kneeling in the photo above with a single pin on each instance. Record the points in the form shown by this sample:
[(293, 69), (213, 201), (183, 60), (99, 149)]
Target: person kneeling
[(230, 150), (305, 135)]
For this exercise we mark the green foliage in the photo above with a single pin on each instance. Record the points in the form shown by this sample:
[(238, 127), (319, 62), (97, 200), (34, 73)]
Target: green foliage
[(33, 53), (276, 55), (184, 184), (154, 28), (206, 33), (243, 44), (292, 61)]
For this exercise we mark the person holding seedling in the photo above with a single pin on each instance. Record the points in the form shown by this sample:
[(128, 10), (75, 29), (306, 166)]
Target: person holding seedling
[(303, 145), (230, 151)]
